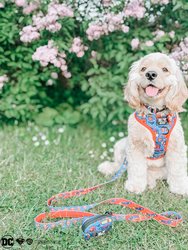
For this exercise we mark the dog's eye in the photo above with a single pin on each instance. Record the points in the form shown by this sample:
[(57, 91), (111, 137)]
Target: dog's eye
[(165, 69), (143, 69)]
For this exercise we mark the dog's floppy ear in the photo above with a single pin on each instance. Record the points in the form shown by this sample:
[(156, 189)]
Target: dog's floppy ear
[(131, 93), (178, 92)]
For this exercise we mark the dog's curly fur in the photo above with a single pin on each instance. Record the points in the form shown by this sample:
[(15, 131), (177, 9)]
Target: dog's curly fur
[(139, 144)]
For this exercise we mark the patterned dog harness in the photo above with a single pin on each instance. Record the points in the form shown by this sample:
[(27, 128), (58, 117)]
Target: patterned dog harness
[(160, 127)]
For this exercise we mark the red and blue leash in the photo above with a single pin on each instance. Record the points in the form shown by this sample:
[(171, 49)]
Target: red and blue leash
[(79, 213)]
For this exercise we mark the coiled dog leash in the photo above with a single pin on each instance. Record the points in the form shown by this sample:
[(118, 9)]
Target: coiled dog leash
[(95, 224)]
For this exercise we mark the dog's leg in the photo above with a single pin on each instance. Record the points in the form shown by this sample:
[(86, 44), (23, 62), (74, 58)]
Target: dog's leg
[(137, 169), (120, 151), (154, 174), (176, 162), (109, 168)]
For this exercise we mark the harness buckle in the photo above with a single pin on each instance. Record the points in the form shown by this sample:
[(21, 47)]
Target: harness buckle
[(162, 121)]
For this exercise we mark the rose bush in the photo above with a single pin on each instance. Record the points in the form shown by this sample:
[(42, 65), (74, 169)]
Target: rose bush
[(61, 59)]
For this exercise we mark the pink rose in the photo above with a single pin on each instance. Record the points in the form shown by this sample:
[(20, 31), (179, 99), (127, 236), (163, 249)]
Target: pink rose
[(2, 5), (54, 75), (93, 54), (80, 54), (135, 43), (20, 3), (149, 43), (66, 74), (125, 28), (171, 34)]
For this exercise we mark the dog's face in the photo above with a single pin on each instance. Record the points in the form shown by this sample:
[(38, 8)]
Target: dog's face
[(157, 81)]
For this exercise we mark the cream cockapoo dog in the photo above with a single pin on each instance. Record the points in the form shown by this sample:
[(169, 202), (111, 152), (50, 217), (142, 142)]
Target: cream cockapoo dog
[(155, 87)]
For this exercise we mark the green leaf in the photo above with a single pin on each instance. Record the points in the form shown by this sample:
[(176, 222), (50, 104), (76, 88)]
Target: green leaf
[(71, 117)]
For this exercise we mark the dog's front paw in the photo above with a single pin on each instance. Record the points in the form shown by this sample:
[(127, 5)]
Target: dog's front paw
[(149, 147), (107, 168), (180, 187), (135, 187)]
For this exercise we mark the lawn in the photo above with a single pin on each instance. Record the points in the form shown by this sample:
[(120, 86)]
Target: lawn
[(30, 174)]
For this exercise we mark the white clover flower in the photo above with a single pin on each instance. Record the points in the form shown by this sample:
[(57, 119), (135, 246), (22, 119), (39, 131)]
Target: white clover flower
[(61, 130), (46, 142), (91, 152), (121, 134), (105, 153), (56, 141), (102, 157), (36, 128), (43, 137), (37, 143), (112, 139), (111, 150), (92, 155), (103, 145), (34, 138)]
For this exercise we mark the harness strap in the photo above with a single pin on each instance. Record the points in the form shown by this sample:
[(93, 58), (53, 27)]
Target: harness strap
[(79, 213)]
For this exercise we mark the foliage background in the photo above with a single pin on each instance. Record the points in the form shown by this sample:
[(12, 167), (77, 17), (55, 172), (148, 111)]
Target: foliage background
[(37, 162), (95, 88)]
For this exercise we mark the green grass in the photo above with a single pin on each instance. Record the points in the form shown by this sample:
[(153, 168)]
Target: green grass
[(29, 175)]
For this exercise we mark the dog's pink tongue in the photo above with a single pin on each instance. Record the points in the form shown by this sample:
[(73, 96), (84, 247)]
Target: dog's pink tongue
[(152, 91)]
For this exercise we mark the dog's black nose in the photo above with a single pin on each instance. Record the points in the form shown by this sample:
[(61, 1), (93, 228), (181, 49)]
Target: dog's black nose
[(151, 75)]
